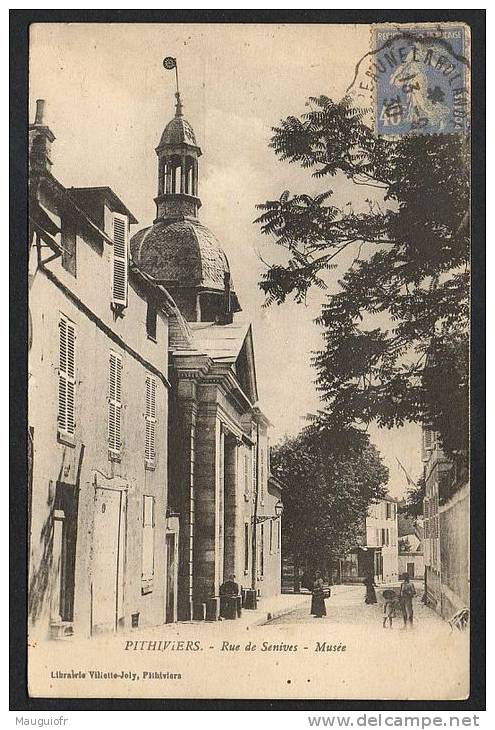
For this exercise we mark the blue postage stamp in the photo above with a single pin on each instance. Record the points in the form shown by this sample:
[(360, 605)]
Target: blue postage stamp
[(421, 79)]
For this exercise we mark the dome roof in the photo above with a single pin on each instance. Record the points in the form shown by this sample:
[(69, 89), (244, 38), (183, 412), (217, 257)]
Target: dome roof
[(184, 252), (178, 131)]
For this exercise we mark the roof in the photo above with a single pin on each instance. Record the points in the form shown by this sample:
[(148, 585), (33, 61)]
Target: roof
[(231, 345), (106, 193), (178, 131), (221, 342), (183, 252), (62, 196)]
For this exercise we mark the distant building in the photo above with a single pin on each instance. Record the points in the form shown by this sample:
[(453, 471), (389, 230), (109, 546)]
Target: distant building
[(377, 555), (411, 555), (446, 529)]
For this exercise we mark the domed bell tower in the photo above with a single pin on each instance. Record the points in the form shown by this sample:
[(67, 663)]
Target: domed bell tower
[(178, 156)]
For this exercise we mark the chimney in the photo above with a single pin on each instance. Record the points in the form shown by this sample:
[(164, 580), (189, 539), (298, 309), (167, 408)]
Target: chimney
[(40, 141)]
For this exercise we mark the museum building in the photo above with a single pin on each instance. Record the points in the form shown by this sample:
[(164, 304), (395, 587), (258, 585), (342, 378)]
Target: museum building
[(219, 462), (149, 476)]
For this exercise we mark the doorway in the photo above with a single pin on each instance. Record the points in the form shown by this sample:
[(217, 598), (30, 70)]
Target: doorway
[(170, 594), (410, 570), (107, 586)]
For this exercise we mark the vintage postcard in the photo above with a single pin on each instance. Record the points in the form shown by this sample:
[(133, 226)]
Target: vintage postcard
[(249, 331)]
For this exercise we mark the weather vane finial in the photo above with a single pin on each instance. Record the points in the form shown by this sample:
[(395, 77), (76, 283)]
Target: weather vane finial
[(169, 63)]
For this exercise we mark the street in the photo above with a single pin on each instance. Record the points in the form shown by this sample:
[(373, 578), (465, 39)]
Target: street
[(346, 654), (346, 606)]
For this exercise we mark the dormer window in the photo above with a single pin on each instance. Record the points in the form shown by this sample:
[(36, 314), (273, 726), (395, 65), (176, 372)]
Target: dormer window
[(120, 263)]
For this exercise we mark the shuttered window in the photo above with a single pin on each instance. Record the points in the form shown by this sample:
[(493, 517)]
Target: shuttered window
[(120, 260), (262, 473), (115, 404), (255, 467), (246, 547), (66, 376), (246, 474), (150, 419), (262, 550)]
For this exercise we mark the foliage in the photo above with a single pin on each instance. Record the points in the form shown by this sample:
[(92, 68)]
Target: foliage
[(329, 482), (414, 499), (396, 332)]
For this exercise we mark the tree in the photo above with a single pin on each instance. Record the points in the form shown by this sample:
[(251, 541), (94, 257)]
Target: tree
[(414, 499), (330, 479), (396, 332)]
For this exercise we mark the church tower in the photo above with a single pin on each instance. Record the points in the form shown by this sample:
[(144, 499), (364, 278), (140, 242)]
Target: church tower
[(178, 155), (178, 250)]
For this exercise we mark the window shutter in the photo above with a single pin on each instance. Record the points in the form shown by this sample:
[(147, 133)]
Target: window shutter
[(150, 419), (148, 554), (246, 474), (120, 260), (67, 376), (115, 403), (255, 466)]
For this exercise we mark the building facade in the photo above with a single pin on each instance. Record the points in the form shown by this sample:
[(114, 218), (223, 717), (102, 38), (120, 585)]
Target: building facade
[(149, 466), (98, 414), (446, 529), (218, 436), (377, 556), (411, 554)]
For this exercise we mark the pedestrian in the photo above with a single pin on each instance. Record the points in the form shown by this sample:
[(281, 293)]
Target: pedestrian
[(370, 589), (407, 593), (318, 608)]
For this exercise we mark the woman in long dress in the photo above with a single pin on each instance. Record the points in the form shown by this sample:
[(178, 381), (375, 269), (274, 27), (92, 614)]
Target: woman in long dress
[(318, 608), (370, 589)]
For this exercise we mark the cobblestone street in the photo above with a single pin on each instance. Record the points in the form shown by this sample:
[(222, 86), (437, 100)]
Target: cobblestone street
[(346, 606)]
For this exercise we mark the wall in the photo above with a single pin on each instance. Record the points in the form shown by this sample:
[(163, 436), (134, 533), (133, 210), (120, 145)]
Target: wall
[(454, 553), (83, 463), (376, 522), (419, 564), (271, 583)]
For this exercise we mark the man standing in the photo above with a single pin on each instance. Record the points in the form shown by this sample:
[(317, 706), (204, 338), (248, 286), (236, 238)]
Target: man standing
[(407, 592)]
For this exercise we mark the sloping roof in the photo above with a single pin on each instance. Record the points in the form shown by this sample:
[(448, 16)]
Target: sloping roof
[(106, 193), (182, 252), (230, 344), (221, 342)]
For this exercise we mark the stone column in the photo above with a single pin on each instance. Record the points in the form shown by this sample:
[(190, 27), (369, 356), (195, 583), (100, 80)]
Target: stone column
[(207, 524), (183, 174), (161, 173), (195, 178), (183, 441), (232, 512)]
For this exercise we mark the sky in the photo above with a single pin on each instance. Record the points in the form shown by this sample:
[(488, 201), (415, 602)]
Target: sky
[(108, 99)]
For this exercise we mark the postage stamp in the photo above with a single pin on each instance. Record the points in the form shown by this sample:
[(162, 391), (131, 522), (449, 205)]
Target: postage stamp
[(420, 76)]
